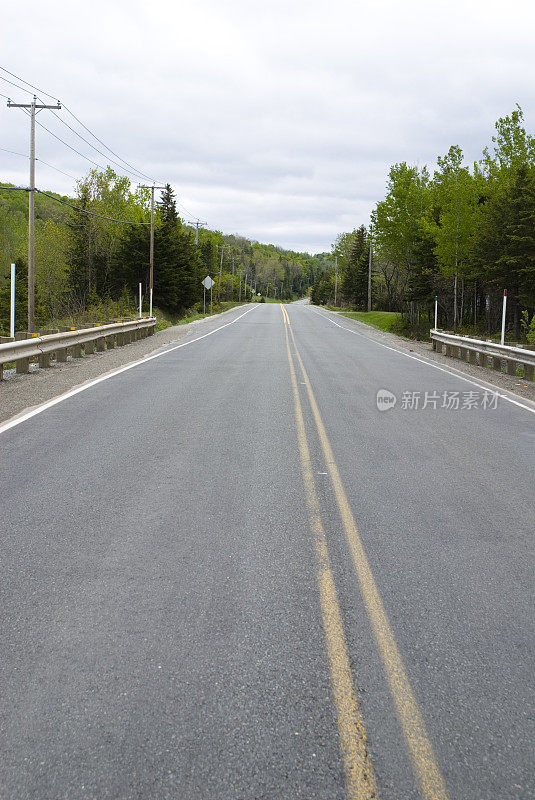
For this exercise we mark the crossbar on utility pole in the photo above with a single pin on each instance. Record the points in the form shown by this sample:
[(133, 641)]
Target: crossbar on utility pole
[(151, 246), (34, 107)]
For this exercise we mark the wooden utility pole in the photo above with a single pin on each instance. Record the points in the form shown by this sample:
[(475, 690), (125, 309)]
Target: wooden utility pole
[(34, 108), (370, 276), (222, 246), (198, 225), (151, 247)]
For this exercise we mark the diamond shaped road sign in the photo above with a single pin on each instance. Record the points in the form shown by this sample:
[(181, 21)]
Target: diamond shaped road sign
[(208, 282)]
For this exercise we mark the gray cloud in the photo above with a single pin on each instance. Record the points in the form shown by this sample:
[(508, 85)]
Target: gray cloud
[(277, 121)]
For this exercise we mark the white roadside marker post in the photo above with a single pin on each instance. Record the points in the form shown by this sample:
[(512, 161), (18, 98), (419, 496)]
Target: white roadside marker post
[(12, 308), (140, 301), (503, 315), (436, 311)]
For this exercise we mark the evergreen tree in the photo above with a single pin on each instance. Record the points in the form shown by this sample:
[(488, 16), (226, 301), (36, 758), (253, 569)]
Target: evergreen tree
[(517, 261), (167, 205), (131, 261), (355, 275)]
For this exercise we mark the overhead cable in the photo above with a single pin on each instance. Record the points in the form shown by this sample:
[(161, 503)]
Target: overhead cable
[(90, 213)]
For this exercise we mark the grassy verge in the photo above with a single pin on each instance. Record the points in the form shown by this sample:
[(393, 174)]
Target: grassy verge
[(382, 320)]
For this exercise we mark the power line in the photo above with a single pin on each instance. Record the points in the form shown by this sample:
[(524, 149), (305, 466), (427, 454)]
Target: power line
[(14, 84), (13, 153), (68, 145), (89, 213), (134, 172), (68, 175), (79, 121), (103, 144), (27, 84), (23, 155)]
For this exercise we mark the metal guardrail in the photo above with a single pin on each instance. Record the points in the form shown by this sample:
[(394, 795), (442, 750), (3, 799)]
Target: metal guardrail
[(43, 348), (478, 351)]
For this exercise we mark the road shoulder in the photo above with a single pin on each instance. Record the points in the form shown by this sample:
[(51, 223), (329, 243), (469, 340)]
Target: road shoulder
[(510, 383), (20, 393)]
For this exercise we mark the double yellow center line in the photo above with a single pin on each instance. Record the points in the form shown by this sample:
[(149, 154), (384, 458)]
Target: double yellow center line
[(360, 778)]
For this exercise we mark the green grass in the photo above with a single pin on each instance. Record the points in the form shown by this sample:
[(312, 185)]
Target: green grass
[(382, 320)]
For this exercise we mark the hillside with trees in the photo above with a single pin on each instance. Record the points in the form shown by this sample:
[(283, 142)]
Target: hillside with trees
[(90, 267)]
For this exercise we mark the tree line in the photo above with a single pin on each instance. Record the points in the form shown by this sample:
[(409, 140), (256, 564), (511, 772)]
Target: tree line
[(464, 235), (86, 265)]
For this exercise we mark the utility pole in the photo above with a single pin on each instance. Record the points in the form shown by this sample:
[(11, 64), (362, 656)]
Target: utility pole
[(151, 251), (370, 256), (198, 225), (222, 246), (34, 108), (335, 278)]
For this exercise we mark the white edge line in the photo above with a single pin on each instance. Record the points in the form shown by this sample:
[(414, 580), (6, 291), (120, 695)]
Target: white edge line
[(20, 418), (452, 372)]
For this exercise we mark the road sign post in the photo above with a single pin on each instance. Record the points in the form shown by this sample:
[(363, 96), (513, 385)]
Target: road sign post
[(207, 284)]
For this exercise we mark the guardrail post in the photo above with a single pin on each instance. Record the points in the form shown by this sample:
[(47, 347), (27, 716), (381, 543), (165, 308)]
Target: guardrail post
[(472, 357), (483, 359), (44, 360), (528, 370), (89, 348), (76, 351), (61, 355), (101, 344), (110, 342), (497, 363), (511, 367), (22, 365), (463, 353)]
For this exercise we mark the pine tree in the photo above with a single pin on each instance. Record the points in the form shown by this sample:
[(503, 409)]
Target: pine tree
[(354, 283), (517, 262), (167, 205), (131, 261)]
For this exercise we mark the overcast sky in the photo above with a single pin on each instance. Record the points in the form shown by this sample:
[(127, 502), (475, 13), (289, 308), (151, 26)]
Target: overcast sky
[(275, 120)]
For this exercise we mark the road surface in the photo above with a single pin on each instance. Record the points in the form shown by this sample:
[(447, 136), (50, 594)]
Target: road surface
[(226, 574)]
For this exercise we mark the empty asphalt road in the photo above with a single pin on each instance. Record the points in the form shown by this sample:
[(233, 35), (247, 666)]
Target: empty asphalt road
[(226, 574)]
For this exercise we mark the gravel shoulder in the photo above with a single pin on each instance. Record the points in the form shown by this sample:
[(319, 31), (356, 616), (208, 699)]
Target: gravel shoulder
[(19, 393), (510, 383)]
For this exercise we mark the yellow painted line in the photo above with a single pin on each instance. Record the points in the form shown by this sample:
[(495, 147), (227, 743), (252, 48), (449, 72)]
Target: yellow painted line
[(360, 777), (424, 763), (285, 316)]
